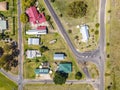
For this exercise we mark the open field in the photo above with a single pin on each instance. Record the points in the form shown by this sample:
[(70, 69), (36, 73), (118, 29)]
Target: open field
[(6, 84), (70, 23), (57, 87), (115, 44)]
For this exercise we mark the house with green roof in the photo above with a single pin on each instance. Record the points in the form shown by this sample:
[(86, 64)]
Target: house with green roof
[(65, 67), (42, 71)]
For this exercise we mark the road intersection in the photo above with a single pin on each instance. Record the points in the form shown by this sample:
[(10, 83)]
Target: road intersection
[(96, 56)]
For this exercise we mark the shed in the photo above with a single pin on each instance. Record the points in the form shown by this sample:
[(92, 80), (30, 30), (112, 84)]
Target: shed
[(65, 67), (59, 56), (42, 71), (33, 41)]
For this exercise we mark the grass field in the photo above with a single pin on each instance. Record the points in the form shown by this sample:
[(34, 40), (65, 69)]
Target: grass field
[(115, 44), (70, 23), (6, 84), (57, 87)]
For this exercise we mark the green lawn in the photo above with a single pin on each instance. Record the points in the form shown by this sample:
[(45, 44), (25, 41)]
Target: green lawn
[(90, 19), (6, 84), (57, 87), (115, 44)]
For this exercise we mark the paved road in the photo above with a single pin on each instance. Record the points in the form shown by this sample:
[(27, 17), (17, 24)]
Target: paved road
[(20, 43), (102, 44)]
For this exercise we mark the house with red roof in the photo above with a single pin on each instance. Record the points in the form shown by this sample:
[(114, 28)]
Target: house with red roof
[(34, 16), (37, 20)]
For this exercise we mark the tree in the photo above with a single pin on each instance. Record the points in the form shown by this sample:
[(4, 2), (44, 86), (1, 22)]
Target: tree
[(96, 32), (24, 18), (47, 17), (69, 31), (97, 25), (78, 75), (76, 37), (77, 9), (52, 0), (60, 78), (1, 51), (43, 49)]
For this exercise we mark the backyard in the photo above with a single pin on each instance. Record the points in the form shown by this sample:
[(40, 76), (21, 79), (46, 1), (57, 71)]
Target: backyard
[(90, 19)]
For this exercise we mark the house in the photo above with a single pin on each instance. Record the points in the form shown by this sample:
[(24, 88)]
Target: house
[(42, 71), (85, 33), (30, 54), (39, 31), (33, 41), (59, 56), (65, 67), (3, 6), (34, 16), (3, 24)]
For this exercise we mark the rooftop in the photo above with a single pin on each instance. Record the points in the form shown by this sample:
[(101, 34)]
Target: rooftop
[(85, 33), (59, 56), (32, 54), (34, 16), (3, 25), (42, 71), (65, 67), (3, 6), (33, 41)]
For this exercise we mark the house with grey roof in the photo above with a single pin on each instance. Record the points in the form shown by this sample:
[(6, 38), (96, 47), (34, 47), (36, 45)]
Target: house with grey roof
[(30, 54), (59, 56), (33, 41)]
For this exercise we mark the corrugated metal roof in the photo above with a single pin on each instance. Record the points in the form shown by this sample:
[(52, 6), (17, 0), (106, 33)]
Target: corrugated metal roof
[(65, 67), (42, 71), (59, 56), (33, 41), (3, 25), (84, 32)]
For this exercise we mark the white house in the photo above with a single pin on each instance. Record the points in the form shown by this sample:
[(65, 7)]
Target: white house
[(40, 30), (85, 33), (32, 54), (33, 41)]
